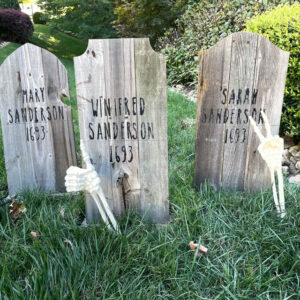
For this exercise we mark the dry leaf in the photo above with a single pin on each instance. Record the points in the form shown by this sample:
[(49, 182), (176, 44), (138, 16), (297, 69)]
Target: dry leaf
[(34, 234), (17, 209), (187, 123)]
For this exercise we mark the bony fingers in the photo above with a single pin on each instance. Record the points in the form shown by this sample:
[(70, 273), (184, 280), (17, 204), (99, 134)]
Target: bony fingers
[(76, 188), (76, 171), (72, 185), (256, 129), (74, 178), (73, 188), (267, 125)]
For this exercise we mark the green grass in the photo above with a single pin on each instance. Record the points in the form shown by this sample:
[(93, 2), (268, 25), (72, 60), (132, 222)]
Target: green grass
[(61, 44), (7, 50), (253, 254)]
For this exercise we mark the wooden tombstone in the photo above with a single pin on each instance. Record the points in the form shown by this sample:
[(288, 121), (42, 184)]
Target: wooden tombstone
[(37, 126), (121, 92), (239, 77)]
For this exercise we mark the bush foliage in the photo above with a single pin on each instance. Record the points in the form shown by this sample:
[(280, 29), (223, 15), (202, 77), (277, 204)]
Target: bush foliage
[(15, 26), (201, 26), (146, 18), (282, 27), (38, 18), (85, 18), (9, 4)]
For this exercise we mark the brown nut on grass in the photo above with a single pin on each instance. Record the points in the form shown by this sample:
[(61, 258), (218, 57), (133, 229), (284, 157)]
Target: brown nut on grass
[(201, 249)]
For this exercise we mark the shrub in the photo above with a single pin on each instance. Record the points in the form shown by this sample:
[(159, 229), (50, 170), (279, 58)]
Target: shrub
[(38, 18), (150, 18), (84, 18), (201, 26), (15, 26), (10, 4), (282, 27)]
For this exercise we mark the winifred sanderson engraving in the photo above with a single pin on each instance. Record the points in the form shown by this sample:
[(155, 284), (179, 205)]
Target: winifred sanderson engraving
[(106, 108)]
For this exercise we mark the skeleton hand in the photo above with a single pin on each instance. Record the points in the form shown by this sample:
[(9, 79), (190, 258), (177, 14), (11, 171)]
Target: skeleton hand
[(271, 150), (271, 147), (78, 179)]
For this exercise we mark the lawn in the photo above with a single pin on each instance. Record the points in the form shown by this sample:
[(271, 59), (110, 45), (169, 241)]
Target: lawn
[(61, 44), (252, 253)]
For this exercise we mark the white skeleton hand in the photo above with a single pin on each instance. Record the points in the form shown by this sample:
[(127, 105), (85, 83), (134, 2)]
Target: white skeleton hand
[(78, 179), (271, 150)]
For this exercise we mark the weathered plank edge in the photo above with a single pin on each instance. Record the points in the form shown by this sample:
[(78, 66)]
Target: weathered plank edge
[(201, 92)]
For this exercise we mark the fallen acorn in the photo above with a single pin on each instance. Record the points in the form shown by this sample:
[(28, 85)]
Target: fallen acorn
[(201, 248)]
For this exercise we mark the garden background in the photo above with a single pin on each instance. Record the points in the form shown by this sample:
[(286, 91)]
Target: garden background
[(252, 253)]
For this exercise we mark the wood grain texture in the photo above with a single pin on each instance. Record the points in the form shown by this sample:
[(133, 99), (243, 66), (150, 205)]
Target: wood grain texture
[(214, 67), (116, 89), (153, 152), (37, 126), (243, 57), (252, 73)]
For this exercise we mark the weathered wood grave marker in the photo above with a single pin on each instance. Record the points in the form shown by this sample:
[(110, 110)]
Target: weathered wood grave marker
[(37, 126), (241, 76), (121, 92)]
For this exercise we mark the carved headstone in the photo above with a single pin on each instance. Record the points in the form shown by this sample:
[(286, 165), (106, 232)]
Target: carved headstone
[(37, 126), (241, 76), (121, 92)]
